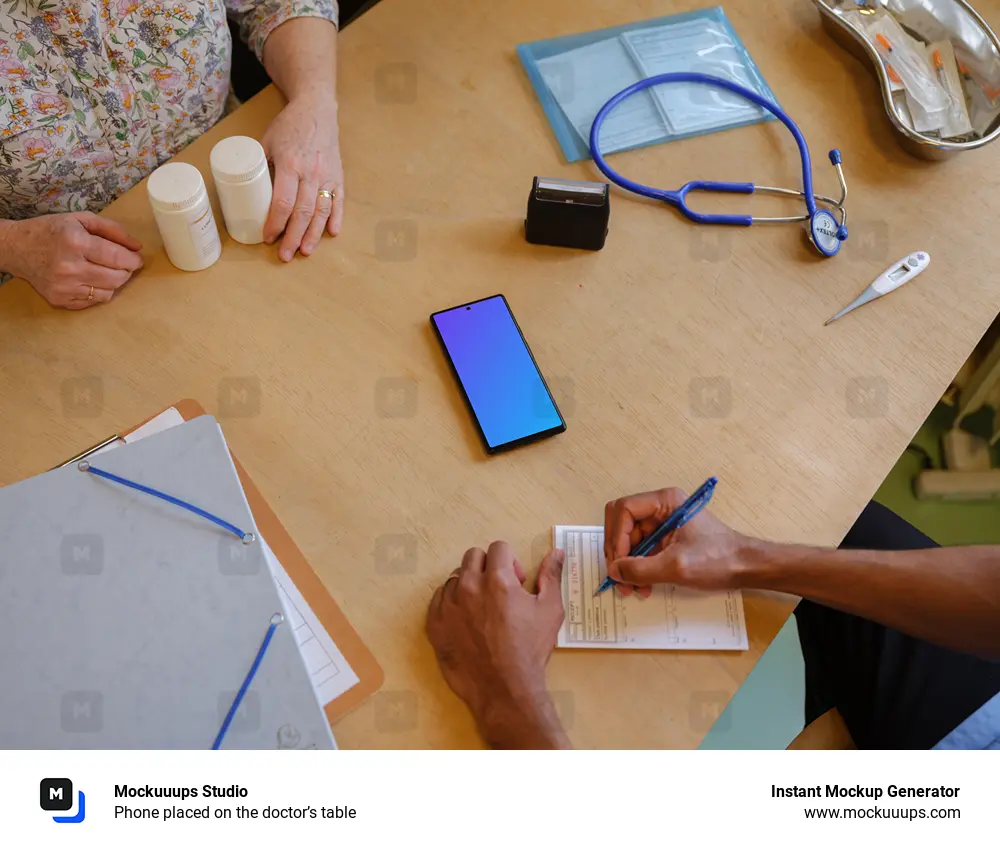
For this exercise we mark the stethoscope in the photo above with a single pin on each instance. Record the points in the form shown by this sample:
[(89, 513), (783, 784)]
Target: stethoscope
[(825, 232)]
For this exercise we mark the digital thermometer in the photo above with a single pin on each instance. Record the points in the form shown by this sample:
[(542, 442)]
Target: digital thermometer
[(892, 278)]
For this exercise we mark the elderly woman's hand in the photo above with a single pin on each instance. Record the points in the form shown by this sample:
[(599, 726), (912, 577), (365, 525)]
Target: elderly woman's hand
[(74, 260), (303, 145)]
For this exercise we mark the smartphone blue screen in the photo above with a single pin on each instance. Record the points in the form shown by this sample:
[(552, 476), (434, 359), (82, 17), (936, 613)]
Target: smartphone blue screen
[(495, 368)]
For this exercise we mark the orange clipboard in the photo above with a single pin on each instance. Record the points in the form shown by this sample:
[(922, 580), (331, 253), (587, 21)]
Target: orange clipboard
[(360, 658)]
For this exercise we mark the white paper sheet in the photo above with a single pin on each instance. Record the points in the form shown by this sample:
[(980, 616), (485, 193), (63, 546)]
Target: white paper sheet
[(168, 419), (584, 79), (329, 671), (672, 618), (694, 46)]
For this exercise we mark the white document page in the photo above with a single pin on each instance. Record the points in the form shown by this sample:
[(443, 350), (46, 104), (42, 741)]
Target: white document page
[(329, 671), (168, 419), (695, 46), (584, 79), (672, 618)]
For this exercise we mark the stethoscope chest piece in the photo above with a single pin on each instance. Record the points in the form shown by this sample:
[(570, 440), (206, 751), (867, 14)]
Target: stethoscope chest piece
[(826, 233)]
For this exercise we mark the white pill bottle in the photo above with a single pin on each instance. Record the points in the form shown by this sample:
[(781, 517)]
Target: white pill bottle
[(239, 167), (184, 215)]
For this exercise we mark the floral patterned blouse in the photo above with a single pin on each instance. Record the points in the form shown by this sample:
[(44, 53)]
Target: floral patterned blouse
[(95, 94)]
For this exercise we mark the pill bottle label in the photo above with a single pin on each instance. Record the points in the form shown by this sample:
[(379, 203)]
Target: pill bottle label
[(204, 233)]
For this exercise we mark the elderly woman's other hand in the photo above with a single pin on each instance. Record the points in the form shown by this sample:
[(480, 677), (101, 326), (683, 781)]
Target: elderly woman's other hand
[(74, 260)]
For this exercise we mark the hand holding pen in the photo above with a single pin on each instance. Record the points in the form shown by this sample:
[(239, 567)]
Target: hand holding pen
[(699, 554)]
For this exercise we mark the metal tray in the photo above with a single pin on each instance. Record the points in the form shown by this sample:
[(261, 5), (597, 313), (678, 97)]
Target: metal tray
[(956, 12)]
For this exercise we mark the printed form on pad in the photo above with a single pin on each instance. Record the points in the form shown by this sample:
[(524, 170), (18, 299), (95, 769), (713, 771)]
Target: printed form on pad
[(329, 671), (672, 618)]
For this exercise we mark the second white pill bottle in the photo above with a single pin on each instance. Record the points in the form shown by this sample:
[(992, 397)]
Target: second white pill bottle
[(239, 167), (184, 216)]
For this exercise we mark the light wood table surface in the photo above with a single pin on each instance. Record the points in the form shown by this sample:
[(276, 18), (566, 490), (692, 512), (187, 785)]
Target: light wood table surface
[(676, 352)]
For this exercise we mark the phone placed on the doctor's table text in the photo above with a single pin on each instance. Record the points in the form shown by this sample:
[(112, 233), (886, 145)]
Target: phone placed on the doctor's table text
[(497, 374)]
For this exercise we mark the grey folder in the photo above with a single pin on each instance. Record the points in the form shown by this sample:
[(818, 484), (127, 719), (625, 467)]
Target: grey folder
[(127, 622)]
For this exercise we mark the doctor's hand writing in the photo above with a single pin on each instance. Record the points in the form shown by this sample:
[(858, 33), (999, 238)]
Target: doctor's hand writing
[(705, 554), (493, 639)]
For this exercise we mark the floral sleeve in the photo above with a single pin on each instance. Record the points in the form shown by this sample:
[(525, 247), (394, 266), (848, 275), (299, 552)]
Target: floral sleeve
[(259, 18)]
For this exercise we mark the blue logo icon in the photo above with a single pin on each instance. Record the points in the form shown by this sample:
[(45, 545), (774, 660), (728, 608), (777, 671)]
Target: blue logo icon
[(56, 795)]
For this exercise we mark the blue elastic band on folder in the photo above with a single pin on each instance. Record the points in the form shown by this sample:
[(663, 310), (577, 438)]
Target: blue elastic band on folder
[(245, 536), (276, 621)]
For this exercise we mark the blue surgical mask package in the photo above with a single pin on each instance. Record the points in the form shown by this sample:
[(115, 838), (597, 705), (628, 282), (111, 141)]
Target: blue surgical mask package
[(575, 75)]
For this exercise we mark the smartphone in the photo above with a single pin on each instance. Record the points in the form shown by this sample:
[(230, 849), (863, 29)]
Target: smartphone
[(497, 374)]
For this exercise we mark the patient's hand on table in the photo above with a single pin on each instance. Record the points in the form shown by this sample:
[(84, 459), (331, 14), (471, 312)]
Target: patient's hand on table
[(302, 142), (706, 554), (493, 639), (73, 260)]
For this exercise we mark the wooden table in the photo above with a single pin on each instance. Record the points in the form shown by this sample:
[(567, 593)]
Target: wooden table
[(676, 352)]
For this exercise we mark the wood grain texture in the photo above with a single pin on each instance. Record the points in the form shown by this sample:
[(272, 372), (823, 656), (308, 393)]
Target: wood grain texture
[(676, 352)]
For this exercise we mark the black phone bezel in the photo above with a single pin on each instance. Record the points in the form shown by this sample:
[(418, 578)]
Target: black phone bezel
[(520, 441)]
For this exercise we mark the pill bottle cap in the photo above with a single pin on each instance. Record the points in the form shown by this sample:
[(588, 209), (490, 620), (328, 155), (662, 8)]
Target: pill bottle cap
[(175, 186), (237, 159)]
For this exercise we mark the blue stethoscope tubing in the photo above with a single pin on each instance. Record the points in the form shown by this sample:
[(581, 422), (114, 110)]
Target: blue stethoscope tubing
[(678, 198)]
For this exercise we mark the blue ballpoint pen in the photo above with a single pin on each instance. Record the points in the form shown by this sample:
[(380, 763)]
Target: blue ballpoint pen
[(686, 512)]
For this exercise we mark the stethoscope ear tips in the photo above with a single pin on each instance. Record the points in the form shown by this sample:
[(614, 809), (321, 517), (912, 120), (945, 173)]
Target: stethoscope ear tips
[(835, 157), (842, 233)]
